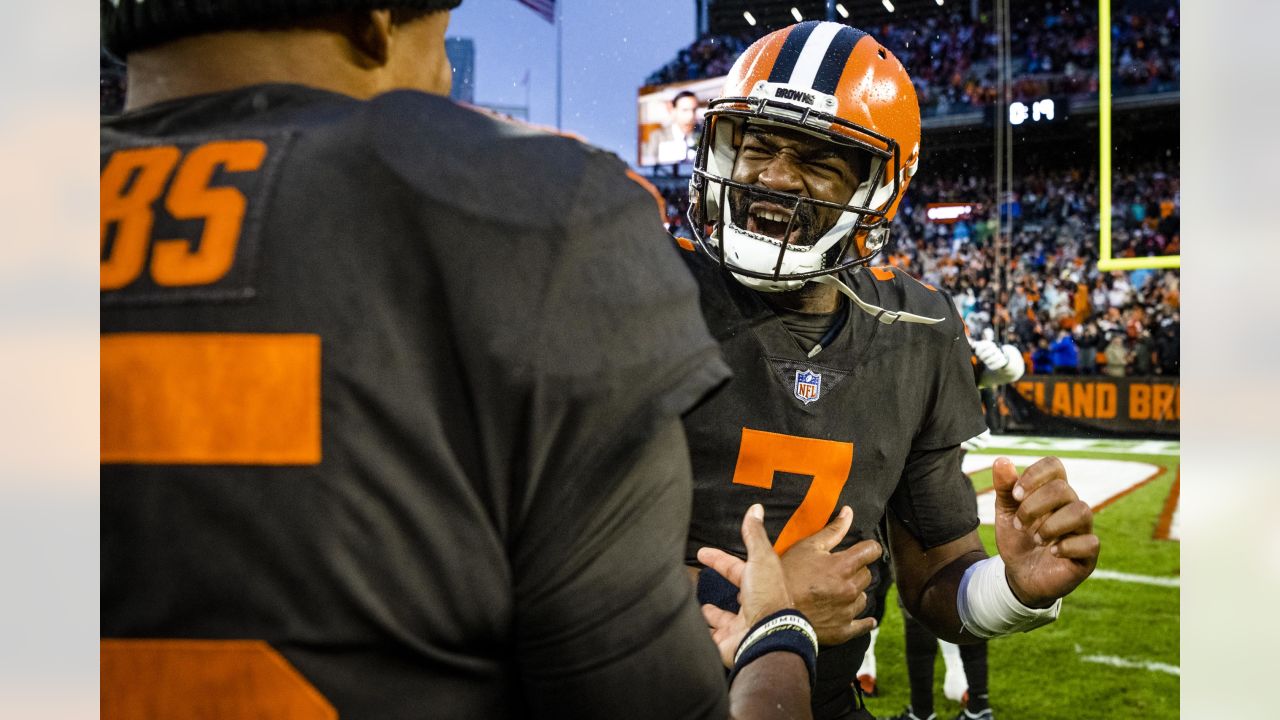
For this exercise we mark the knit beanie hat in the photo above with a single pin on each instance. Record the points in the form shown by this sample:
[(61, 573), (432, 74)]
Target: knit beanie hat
[(129, 25)]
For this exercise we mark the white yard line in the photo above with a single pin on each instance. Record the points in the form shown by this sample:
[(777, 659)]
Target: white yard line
[(1135, 664), (1139, 579)]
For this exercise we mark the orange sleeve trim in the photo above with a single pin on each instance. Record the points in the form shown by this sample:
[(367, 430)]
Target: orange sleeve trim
[(657, 196), (210, 398), (881, 272)]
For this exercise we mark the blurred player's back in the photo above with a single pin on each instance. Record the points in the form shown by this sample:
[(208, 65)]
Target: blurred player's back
[(373, 396)]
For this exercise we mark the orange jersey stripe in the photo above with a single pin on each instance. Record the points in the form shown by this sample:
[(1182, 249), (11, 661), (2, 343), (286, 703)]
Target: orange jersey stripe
[(230, 679), (210, 398)]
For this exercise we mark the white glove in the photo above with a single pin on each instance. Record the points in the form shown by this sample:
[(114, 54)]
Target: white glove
[(1004, 367), (989, 354)]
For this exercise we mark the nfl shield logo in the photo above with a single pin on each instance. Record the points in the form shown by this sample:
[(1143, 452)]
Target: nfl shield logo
[(808, 386)]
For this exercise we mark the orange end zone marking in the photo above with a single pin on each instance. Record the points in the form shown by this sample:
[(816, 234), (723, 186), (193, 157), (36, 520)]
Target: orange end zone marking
[(1170, 505), (1109, 501), (210, 398)]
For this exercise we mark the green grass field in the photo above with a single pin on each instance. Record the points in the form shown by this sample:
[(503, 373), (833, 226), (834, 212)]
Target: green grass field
[(1059, 672)]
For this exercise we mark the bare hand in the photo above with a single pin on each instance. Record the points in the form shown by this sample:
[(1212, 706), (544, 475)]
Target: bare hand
[(1044, 531), (830, 588), (762, 585)]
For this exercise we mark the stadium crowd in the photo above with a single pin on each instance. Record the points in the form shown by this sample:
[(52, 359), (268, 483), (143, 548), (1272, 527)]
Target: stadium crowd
[(1065, 314), (952, 59)]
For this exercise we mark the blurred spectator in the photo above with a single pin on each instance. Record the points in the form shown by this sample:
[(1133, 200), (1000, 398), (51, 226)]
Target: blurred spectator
[(1042, 358), (1090, 345), (1117, 356), (1166, 347), (1065, 354), (1142, 351)]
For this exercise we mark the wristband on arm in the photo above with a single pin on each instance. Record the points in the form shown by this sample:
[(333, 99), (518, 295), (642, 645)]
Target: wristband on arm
[(783, 631), (988, 608)]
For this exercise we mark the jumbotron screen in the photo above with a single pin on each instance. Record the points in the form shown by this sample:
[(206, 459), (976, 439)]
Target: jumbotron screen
[(670, 120)]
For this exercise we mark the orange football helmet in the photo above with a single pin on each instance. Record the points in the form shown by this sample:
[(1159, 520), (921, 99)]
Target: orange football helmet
[(831, 81)]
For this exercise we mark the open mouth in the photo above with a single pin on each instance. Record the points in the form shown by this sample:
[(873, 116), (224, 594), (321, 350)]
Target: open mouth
[(772, 220)]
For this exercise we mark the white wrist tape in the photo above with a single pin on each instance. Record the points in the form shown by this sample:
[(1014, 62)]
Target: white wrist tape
[(988, 608)]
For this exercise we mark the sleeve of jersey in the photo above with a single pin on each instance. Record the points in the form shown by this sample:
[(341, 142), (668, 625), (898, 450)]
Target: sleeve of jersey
[(620, 352), (935, 500)]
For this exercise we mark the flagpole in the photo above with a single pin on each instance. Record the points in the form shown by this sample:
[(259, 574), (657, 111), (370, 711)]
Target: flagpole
[(559, 22)]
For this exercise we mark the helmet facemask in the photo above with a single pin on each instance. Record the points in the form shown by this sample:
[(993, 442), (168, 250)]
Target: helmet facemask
[(783, 259)]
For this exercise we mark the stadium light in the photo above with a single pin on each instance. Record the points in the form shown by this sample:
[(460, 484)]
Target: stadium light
[(887, 5), (939, 2), (796, 14), (751, 19), (840, 9)]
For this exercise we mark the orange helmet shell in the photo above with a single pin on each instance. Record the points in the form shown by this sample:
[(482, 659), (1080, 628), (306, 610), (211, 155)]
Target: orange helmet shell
[(848, 74)]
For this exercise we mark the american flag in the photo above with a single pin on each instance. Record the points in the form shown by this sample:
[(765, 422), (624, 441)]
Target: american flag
[(545, 8)]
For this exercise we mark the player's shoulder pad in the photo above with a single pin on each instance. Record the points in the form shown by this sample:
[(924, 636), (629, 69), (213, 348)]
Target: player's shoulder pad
[(495, 167), (896, 289)]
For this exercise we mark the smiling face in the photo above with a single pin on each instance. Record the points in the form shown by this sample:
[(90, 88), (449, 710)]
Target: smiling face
[(796, 163)]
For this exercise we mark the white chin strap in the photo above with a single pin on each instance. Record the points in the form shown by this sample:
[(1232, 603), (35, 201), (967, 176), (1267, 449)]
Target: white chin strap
[(888, 317), (746, 249)]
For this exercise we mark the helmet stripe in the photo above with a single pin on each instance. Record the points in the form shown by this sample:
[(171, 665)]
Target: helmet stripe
[(833, 62), (790, 51), (811, 57)]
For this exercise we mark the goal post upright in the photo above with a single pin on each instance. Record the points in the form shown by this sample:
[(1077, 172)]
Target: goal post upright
[(1106, 261)]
